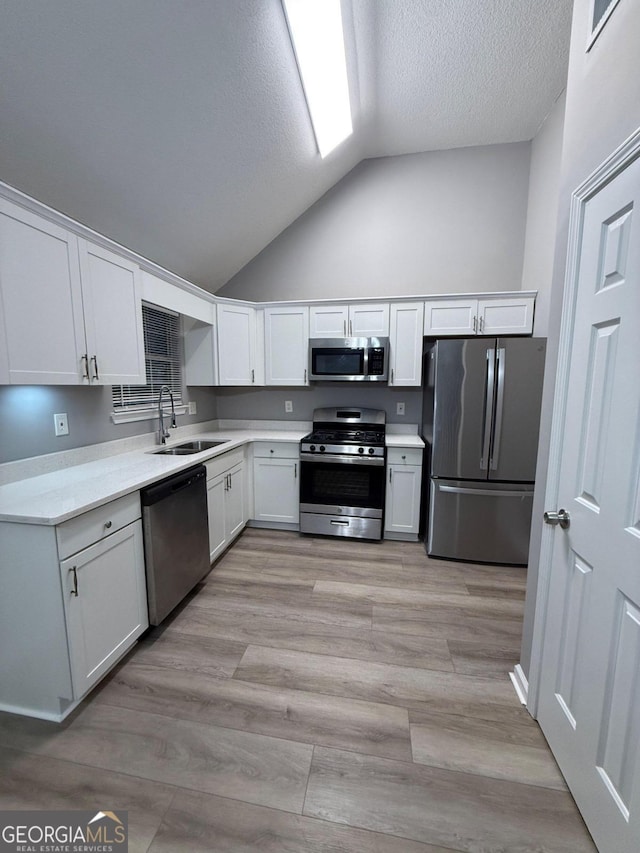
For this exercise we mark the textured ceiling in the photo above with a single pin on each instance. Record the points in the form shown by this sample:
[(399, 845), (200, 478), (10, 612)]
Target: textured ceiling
[(179, 128)]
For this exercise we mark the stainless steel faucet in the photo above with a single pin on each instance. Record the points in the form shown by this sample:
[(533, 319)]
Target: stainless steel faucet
[(163, 434)]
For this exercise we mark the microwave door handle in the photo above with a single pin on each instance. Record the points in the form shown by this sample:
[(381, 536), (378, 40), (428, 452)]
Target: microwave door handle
[(488, 410), (497, 429)]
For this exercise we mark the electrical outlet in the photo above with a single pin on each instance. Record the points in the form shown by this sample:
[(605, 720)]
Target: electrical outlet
[(288, 405), (399, 408), (61, 424), (193, 408)]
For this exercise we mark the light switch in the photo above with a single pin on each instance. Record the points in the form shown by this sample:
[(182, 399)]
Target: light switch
[(61, 424)]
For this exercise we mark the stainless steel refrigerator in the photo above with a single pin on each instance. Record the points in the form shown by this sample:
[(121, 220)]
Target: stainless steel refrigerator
[(481, 420)]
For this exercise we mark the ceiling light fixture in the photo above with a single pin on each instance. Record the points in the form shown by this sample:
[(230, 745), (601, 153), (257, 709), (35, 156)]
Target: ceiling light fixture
[(315, 27)]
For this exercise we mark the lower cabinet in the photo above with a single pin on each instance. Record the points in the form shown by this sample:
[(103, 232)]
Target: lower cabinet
[(402, 503), (226, 500), (276, 485), (74, 602)]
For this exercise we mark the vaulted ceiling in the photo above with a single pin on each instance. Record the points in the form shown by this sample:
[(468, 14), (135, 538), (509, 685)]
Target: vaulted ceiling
[(179, 128)]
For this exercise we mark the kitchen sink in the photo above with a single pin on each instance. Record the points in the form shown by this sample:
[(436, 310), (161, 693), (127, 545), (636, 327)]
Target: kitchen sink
[(188, 447)]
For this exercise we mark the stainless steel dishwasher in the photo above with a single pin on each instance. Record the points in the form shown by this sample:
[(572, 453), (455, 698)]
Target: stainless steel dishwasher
[(176, 539)]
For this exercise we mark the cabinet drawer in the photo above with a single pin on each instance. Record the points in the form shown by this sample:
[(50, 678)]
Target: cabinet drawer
[(92, 526), (276, 449), (219, 464), (404, 456)]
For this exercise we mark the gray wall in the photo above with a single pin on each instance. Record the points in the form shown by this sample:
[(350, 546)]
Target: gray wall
[(542, 213), (439, 222), (268, 403), (602, 110), (26, 418)]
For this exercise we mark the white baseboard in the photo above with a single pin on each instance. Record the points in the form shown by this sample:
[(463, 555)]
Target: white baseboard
[(520, 683)]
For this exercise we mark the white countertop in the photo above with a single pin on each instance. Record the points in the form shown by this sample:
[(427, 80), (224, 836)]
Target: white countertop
[(67, 492)]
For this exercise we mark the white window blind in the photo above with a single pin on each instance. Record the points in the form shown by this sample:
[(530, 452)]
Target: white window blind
[(163, 360)]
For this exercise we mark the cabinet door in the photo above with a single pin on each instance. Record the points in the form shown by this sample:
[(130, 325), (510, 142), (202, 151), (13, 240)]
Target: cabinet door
[(276, 490), (216, 508), (450, 317), (369, 320), (235, 502), (112, 298), (109, 611), (329, 321), (42, 338), (402, 510), (405, 339), (513, 316), (236, 344), (286, 345)]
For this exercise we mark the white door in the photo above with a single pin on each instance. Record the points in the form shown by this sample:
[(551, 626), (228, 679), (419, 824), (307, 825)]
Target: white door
[(275, 483), (234, 514), (506, 316), (450, 317), (405, 339), (369, 320), (589, 699), (329, 321), (236, 344), (402, 508), (216, 493)]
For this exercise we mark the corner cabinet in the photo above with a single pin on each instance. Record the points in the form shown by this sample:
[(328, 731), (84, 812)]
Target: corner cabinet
[(402, 502), (286, 345), (405, 342), (80, 587), (499, 315), (238, 345), (226, 500), (276, 484), (71, 311)]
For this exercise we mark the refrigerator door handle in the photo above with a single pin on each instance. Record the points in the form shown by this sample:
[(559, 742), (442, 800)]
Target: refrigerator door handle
[(493, 493), (501, 362), (488, 411)]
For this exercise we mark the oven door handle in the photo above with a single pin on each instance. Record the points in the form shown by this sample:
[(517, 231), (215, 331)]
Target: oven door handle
[(371, 461)]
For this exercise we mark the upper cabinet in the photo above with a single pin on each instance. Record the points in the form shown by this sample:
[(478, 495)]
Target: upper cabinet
[(497, 315), (286, 345), (238, 345), (362, 320), (405, 341), (71, 311)]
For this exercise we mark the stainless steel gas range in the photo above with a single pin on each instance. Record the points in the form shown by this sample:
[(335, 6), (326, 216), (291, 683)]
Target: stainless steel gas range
[(342, 476)]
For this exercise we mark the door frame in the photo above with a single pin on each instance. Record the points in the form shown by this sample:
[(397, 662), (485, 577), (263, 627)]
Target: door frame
[(612, 166)]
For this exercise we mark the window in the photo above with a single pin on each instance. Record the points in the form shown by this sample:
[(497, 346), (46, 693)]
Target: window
[(601, 11), (163, 360)]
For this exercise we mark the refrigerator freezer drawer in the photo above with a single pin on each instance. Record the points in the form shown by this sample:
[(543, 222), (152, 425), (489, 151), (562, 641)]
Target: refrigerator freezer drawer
[(480, 522)]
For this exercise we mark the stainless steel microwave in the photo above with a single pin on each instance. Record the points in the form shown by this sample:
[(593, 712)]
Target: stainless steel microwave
[(349, 359)]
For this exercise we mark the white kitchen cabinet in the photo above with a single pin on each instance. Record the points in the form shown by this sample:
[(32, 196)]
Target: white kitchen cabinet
[(276, 485), (72, 311), (238, 345), (286, 343), (226, 500), (56, 644), (498, 315), (362, 320), (112, 300), (405, 342), (402, 503)]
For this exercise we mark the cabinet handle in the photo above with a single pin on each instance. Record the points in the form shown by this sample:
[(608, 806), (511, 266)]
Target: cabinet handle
[(404, 457), (108, 524), (475, 325), (305, 376), (295, 470), (390, 473), (253, 375), (344, 327), (350, 328), (85, 373), (392, 375), (74, 591), (481, 321), (271, 451), (94, 359)]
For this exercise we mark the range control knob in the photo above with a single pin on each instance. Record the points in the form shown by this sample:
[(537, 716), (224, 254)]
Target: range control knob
[(371, 451), (322, 448), (361, 450), (312, 447)]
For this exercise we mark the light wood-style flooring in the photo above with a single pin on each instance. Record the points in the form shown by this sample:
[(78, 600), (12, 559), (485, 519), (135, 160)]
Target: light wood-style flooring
[(314, 695)]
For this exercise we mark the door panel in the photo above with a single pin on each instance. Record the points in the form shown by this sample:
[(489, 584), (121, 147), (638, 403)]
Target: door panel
[(518, 398), (462, 372), (589, 703), (481, 522)]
